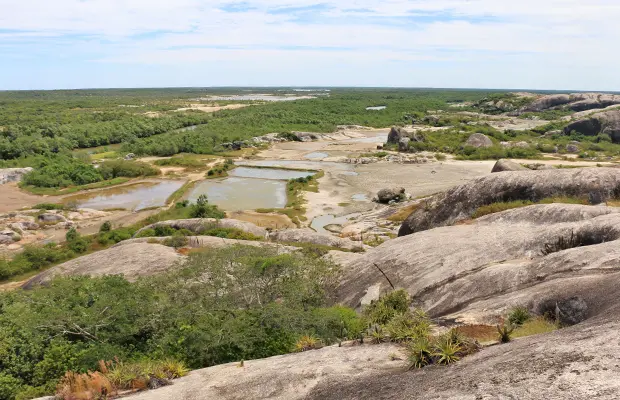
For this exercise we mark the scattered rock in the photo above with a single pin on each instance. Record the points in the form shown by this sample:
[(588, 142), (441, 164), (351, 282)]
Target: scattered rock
[(571, 311), (50, 218), (129, 157), (571, 148), (507, 165), (385, 196), (396, 133), (479, 140), (403, 144), (13, 174), (8, 236)]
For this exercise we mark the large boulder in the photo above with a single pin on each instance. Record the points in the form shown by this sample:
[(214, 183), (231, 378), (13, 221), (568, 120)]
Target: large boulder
[(403, 144), (605, 123), (200, 225), (8, 175), (461, 202), (309, 236), (388, 195), (479, 140), (396, 133), (507, 165), (8, 236), (131, 260), (546, 102), (530, 256), (51, 218)]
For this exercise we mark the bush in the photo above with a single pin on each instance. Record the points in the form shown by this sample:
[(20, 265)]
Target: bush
[(518, 316), (130, 169), (387, 307), (105, 227), (408, 326), (307, 342), (177, 241), (202, 209), (49, 206)]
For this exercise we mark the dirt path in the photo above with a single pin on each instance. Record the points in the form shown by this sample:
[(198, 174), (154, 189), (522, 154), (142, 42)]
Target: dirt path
[(12, 198)]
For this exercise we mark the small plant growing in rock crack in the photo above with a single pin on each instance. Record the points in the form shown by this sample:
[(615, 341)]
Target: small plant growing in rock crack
[(419, 353), (446, 352), (518, 316), (307, 342), (504, 332), (376, 334), (561, 244)]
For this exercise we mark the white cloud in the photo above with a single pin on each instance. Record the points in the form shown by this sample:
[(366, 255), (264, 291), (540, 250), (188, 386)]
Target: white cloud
[(540, 34)]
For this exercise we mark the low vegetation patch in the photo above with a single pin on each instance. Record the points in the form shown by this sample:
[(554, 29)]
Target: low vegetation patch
[(221, 170), (403, 213), (72, 323)]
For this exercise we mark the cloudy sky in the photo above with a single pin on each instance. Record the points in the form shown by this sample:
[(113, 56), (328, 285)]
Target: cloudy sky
[(530, 44)]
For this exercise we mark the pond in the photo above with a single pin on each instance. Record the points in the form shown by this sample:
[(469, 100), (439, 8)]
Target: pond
[(297, 164), (360, 197), (316, 155), (376, 108), (236, 194), (131, 197), (269, 173), (319, 223)]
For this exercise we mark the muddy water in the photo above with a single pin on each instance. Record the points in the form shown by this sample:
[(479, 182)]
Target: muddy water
[(131, 197), (234, 194), (316, 155), (269, 173), (319, 223)]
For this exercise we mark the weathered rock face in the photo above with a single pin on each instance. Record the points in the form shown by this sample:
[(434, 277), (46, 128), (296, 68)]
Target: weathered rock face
[(287, 377), (507, 165), (8, 236), (575, 102), (396, 133), (479, 140), (51, 218), (389, 195), (131, 260), (528, 256), (200, 225), (310, 236), (547, 102), (403, 144), (462, 201), (606, 123), (13, 174)]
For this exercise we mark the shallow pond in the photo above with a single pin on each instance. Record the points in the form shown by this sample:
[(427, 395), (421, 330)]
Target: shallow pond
[(131, 197), (360, 197), (380, 139), (234, 193), (316, 155), (376, 108), (256, 97), (319, 223), (269, 173)]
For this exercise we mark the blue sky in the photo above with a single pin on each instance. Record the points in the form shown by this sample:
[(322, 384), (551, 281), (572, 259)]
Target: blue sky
[(530, 44)]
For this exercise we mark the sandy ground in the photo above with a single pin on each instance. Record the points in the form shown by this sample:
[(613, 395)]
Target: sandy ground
[(199, 107), (12, 198)]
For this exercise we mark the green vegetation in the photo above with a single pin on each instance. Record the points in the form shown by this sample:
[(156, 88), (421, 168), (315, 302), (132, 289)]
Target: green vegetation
[(518, 316), (220, 170), (535, 326), (185, 161), (73, 323)]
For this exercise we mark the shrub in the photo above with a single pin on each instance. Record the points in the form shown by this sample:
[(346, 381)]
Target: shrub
[(307, 342), (202, 209), (106, 227), (446, 352), (505, 332), (419, 353), (518, 316), (137, 375), (409, 326), (9, 386), (130, 169), (177, 241), (535, 326), (49, 206), (387, 307), (88, 386)]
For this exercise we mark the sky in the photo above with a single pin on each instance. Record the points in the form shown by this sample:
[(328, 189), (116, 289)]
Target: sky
[(527, 44)]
